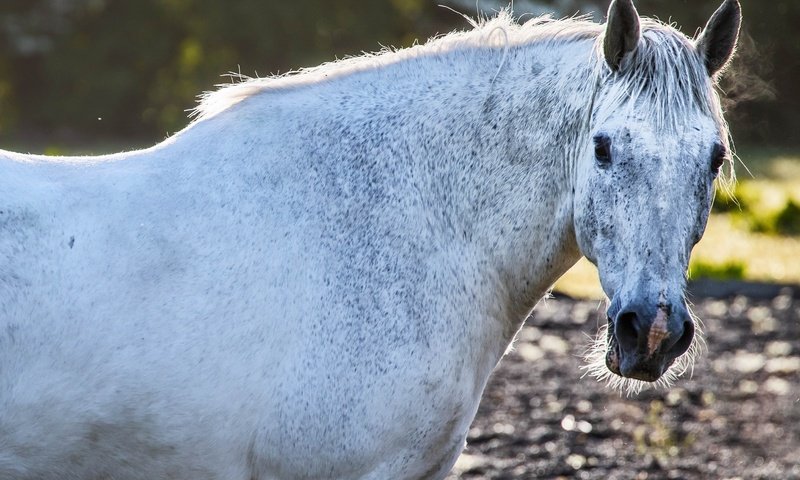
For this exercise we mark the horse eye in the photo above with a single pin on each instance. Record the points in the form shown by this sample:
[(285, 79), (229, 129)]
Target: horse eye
[(718, 158), (602, 149)]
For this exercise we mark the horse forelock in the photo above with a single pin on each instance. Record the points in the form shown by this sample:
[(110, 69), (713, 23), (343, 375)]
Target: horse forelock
[(666, 78), (664, 72)]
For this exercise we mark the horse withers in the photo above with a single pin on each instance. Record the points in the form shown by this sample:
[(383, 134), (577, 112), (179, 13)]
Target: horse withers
[(316, 278)]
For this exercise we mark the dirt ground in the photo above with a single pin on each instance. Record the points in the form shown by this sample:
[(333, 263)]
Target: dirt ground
[(736, 417)]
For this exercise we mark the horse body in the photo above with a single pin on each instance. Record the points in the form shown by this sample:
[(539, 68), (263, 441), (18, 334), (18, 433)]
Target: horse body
[(315, 282), (194, 284)]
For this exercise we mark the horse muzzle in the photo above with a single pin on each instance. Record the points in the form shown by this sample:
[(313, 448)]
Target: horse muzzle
[(644, 340)]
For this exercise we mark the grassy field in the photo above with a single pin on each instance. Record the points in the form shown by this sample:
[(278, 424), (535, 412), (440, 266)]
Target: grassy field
[(753, 236)]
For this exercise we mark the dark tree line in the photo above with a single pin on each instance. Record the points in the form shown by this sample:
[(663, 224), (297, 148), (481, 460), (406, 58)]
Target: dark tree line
[(120, 68)]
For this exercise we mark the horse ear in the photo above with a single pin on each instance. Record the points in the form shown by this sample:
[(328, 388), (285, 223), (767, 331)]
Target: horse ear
[(718, 40), (622, 32)]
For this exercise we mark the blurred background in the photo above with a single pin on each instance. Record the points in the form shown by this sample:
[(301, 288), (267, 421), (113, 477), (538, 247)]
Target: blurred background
[(94, 76)]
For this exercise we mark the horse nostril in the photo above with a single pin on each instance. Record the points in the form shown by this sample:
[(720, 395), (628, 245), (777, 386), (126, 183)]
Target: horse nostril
[(684, 342), (627, 330)]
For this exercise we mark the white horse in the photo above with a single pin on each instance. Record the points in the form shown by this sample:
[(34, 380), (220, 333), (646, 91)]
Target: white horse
[(316, 278)]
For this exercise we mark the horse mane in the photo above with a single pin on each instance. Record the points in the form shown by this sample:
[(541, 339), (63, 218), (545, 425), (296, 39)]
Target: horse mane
[(482, 35), (666, 72), (669, 76), (665, 69)]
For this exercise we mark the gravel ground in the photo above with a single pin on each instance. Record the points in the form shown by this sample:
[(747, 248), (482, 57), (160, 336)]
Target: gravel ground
[(736, 417)]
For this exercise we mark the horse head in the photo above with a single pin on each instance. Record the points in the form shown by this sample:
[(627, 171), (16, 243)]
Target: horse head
[(644, 187)]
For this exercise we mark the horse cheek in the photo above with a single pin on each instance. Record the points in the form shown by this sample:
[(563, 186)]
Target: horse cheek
[(704, 194)]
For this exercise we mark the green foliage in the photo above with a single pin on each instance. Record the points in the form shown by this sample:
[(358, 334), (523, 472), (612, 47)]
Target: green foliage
[(745, 203), (784, 221), (787, 221), (733, 270)]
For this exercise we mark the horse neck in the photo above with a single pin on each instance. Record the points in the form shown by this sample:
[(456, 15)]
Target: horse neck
[(504, 184), (485, 141)]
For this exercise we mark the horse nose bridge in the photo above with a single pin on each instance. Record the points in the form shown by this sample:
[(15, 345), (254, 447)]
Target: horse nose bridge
[(658, 220), (655, 260), (662, 251), (674, 242)]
